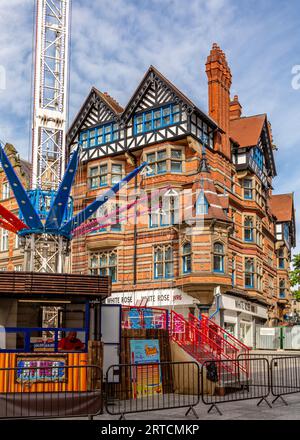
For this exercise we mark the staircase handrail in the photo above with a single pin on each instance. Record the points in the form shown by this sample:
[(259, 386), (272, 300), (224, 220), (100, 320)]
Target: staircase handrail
[(216, 350), (231, 337)]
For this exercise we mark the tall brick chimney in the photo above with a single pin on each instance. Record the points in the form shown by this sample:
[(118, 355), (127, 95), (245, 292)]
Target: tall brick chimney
[(219, 83), (235, 108)]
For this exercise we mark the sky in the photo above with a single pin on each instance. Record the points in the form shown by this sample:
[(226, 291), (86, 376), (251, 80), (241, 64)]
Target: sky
[(115, 41)]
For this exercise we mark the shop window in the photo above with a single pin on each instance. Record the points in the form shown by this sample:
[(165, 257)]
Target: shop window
[(186, 258), (104, 264), (218, 258), (248, 189), (163, 262), (249, 273)]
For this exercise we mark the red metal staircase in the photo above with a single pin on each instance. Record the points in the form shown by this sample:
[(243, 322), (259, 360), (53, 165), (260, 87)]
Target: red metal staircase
[(204, 340)]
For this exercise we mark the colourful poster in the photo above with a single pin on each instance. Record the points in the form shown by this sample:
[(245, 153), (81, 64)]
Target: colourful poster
[(37, 369), (146, 379)]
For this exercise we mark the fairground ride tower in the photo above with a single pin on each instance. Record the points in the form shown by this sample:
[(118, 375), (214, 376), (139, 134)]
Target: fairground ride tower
[(47, 252), (46, 224)]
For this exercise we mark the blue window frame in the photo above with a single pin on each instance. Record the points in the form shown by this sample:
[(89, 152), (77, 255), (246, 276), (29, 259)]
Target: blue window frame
[(248, 229), (249, 273), (201, 204), (156, 118), (186, 258), (104, 264), (167, 214), (218, 263), (282, 289), (44, 339), (286, 232), (233, 271), (163, 262), (248, 190), (103, 134), (258, 157)]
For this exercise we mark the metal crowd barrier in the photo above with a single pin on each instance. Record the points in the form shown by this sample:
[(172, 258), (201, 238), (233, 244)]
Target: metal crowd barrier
[(50, 392), (235, 380), (285, 376), (152, 387)]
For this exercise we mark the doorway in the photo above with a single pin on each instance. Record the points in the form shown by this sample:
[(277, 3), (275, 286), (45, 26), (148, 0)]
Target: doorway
[(246, 333)]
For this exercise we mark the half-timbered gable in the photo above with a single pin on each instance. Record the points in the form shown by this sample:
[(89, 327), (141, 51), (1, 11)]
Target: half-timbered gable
[(157, 112), (97, 126), (253, 146)]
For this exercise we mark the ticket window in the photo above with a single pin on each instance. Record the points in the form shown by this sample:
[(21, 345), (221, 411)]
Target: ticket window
[(51, 327)]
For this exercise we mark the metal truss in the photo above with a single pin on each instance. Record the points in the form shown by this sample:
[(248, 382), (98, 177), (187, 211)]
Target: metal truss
[(50, 93), (46, 253)]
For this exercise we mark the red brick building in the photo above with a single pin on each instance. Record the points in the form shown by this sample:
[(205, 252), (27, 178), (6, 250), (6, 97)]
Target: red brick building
[(215, 227), (218, 225)]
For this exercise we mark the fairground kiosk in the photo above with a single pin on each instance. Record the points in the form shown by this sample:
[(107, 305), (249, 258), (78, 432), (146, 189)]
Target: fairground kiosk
[(33, 355)]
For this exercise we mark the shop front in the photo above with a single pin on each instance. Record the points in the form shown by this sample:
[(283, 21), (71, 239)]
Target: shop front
[(163, 298), (240, 317)]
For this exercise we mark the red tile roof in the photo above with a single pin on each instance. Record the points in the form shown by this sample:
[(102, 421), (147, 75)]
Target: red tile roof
[(282, 207), (246, 131)]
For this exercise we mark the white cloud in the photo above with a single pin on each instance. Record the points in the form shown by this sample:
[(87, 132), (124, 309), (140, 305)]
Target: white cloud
[(115, 41)]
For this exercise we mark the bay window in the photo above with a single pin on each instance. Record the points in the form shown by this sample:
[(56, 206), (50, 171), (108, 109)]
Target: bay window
[(218, 257), (248, 229), (163, 262), (186, 258), (249, 273), (248, 189)]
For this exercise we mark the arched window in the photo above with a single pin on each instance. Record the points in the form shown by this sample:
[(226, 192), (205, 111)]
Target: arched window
[(201, 204), (282, 289), (163, 262), (104, 264), (248, 229), (186, 258), (218, 257)]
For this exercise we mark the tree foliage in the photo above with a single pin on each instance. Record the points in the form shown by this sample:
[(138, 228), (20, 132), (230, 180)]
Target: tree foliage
[(295, 276)]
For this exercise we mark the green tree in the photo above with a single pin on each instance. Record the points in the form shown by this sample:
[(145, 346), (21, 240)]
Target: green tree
[(295, 276)]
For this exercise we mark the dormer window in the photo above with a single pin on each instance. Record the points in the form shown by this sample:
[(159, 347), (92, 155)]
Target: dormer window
[(201, 204), (156, 118)]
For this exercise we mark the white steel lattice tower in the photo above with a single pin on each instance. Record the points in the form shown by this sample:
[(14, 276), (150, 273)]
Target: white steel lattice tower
[(50, 92), (47, 252)]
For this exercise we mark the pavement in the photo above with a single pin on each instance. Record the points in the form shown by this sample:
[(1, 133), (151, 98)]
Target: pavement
[(242, 410)]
